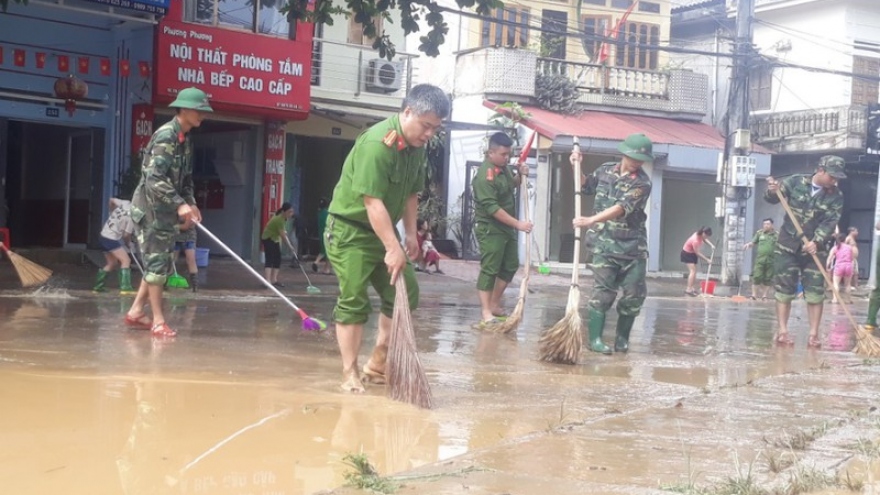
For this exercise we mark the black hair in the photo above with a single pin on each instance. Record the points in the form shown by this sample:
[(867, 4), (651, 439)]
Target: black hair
[(426, 98), (284, 207), (852, 229), (705, 230), (767, 220), (500, 139)]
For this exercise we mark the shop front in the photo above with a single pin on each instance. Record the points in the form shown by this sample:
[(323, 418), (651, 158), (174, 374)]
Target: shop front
[(256, 83)]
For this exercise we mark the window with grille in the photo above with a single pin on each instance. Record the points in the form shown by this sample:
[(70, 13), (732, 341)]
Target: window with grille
[(594, 28), (506, 27), (864, 91), (356, 34), (761, 88), (256, 16), (634, 45)]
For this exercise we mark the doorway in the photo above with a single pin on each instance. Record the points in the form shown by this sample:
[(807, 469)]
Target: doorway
[(53, 180)]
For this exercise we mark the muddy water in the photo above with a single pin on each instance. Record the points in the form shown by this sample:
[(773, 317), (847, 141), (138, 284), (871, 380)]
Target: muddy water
[(242, 402)]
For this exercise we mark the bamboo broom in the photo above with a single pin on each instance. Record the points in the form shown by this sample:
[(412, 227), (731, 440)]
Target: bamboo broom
[(866, 344), (407, 381), (516, 315), (562, 342), (30, 273)]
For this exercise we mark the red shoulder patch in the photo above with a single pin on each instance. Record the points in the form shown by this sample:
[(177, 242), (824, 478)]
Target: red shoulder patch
[(181, 137), (490, 174)]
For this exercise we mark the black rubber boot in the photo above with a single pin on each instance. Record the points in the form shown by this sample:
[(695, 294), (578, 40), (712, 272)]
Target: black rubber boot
[(624, 326), (194, 281), (595, 327)]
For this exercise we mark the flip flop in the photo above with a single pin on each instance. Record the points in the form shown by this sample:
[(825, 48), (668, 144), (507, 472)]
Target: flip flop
[(138, 322), (372, 376), (483, 325), (162, 330)]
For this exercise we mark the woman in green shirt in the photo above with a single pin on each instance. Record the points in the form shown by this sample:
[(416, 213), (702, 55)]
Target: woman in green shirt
[(273, 232)]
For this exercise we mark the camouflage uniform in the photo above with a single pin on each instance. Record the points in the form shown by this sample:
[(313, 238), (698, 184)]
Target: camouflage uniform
[(620, 251), (765, 245), (818, 214), (166, 183)]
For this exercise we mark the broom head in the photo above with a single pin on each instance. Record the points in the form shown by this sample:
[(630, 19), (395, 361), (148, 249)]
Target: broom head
[(407, 381), (562, 342), (176, 281), (866, 343), (515, 318), (30, 273)]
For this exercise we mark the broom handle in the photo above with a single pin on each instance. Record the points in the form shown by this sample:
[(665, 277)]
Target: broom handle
[(819, 265), (249, 267), (576, 258)]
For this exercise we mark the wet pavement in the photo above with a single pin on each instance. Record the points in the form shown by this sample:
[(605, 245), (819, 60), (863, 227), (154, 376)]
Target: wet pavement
[(244, 402)]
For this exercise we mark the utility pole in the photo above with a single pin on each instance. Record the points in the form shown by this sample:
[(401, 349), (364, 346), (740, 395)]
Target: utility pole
[(738, 172)]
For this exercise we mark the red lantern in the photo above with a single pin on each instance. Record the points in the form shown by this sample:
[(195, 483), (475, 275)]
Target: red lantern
[(70, 89)]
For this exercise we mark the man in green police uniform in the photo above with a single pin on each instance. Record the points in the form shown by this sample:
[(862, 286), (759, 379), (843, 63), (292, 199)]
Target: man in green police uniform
[(762, 274), (496, 225), (163, 205), (817, 203), (380, 181), (620, 252)]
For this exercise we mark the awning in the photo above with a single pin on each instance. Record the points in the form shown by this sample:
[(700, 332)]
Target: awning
[(617, 126)]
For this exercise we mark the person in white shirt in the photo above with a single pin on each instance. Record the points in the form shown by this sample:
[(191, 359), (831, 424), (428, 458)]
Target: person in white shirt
[(115, 236)]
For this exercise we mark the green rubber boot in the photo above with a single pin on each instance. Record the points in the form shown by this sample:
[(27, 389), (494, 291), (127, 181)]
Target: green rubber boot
[(100, 281), (624, 325), (595, 326), (125, 281), (873, 307)]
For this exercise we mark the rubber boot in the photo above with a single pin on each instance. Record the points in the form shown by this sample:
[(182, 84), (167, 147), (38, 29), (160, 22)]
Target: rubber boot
[(595, 326), (624, 325), (873, 307), (194, 281), (100, 281), (125, 281)]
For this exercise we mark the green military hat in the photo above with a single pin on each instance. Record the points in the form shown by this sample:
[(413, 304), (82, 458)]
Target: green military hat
[(192, 98), (638, 147), (833, 165)]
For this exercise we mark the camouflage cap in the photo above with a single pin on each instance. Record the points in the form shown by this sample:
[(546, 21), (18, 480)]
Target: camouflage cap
[(192, 98), (833, 165), (638, 147)]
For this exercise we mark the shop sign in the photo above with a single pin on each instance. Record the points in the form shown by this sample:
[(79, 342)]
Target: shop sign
[(141, 127), (146, 6), (273, 175), (238, 70)]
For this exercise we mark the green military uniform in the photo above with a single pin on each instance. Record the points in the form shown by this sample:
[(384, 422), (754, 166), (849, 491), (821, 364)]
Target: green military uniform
[(383, 166), (620, 246), (818, 214), (166, 183), (765, 243), (874, 300), (494, 190)]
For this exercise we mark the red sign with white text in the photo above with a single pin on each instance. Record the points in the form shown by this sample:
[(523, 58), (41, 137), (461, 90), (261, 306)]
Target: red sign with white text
[(273, 174), (141, 126), (241, 72)]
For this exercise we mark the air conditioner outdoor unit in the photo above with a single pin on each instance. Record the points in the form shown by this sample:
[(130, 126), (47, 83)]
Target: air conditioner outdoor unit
[(383, 76)]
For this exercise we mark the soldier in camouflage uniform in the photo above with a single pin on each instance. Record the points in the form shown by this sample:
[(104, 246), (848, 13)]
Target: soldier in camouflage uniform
[(163, 205), (496, 226), (619, 237), (817, 204)]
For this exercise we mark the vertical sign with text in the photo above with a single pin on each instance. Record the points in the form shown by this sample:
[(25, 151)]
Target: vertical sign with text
[(273, 173), (141, 127)]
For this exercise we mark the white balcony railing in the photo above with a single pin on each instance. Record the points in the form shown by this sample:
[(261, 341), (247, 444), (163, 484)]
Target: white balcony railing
[(848, 120), (359, 70), (600, 79)]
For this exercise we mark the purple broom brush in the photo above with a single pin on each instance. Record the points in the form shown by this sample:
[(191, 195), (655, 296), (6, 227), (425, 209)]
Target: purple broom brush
[(309, 324)]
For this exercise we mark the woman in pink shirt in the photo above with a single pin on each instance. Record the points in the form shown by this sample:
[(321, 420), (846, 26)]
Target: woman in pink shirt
[(691, 251), (840, 263)]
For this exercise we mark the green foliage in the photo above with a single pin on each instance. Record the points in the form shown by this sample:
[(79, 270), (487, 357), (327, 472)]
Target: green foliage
[(557, 93), (4, 4), (411, 13), (364, 476), (507, 116)]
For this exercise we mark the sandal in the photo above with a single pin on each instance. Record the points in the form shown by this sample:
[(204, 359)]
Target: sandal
[(783, 338), (484, 325), (372, 376), (814, 342), (162, 330), (753, 298), (138, 322), (691, 293)]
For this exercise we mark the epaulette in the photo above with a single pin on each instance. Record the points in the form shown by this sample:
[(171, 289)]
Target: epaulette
[(393, 138)]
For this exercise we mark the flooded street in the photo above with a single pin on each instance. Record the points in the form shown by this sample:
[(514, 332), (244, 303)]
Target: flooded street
[(243, 402)]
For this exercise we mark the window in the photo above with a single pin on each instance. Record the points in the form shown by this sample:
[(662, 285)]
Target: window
[(509, 27), (621, 4), (630, 53), (651, 7), (865, 92), (258, 16), (761, 88), (594, 27), (356, 34), (595, 2), (552, 44)]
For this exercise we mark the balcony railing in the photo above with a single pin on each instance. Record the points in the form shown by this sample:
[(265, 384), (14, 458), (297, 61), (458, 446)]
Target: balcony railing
[(601, 79), (841, 127), (358, 70)]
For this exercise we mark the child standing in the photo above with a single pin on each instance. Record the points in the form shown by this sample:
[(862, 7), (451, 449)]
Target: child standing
[(841, 259)]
